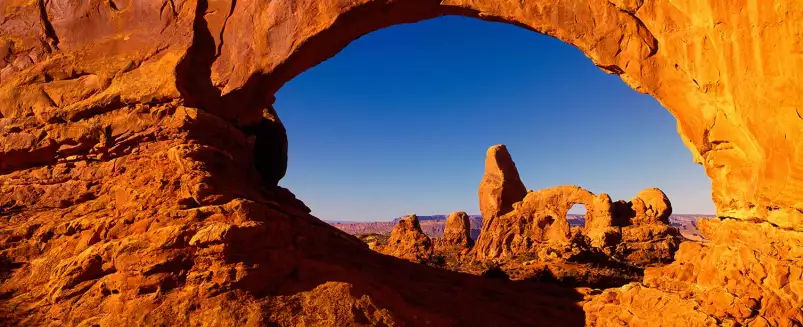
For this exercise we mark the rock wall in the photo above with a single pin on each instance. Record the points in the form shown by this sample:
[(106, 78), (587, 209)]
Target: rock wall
[(145, 129)]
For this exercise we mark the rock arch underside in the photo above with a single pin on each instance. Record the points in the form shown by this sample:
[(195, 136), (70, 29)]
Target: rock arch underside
[(140, 155)]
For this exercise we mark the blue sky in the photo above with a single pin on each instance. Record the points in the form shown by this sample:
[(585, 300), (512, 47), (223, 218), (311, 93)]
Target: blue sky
[(400, 120)]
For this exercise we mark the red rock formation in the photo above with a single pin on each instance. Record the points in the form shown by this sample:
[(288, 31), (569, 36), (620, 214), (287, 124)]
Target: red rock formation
[(636, 232), (501, 185), (434, 228), (408, 241), (651, 206), (140, 155), (457, 232), (749, 274), (539, 218)]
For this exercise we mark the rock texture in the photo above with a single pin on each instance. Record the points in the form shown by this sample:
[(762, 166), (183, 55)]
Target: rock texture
[(140, 153), (651, 206), (408, 241), (748, 275), (537, 218), (635, 232), (433, 226), (457, 232), (501, 185)]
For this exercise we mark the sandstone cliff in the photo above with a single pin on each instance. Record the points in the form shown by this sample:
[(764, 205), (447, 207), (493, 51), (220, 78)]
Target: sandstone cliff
[(140, 154)]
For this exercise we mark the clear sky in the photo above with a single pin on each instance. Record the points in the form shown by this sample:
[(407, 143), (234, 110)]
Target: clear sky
[(400, 120)]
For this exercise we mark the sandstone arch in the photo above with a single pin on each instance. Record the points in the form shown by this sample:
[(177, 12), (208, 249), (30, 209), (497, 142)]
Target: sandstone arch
[(539, 217), (232, 59), (94, 91)]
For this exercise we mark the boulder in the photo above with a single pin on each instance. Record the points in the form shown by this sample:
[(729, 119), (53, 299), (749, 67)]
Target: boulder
[(635, 232)]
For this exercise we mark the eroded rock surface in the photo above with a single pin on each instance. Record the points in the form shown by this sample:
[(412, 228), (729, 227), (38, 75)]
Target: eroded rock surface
[(139, 155), (501, 185), (174, 227), (538, 218), (635, 232), (749, 275), (407, 241), (457, 232)]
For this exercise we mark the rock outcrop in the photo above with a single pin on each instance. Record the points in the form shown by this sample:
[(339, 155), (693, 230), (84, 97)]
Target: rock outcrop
[(651, 206), (635, 232), (457, 232), (749, 275), (407, 241), (538, 218), (140, 154), (501, 185)]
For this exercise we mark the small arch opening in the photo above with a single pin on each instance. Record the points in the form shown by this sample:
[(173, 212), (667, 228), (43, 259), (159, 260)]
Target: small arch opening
[(576, 215)]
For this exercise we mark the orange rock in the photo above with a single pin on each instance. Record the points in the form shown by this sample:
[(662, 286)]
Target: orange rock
[(408, 241), (651, 206), (108, 168), (743, 276), (540, 217), (457, 232), (501, 185)]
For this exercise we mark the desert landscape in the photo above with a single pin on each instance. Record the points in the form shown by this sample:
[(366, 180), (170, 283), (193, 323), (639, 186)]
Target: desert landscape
[(141, 155), (434, 225)]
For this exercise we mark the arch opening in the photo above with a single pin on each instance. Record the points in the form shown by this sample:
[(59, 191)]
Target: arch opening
[(577, 215), (401, 152), (619, 40), (356, 78)]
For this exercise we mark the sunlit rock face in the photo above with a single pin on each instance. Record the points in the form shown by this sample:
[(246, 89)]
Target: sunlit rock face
[(456, 232), (140, 155), (408, 241), (635, 232)]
